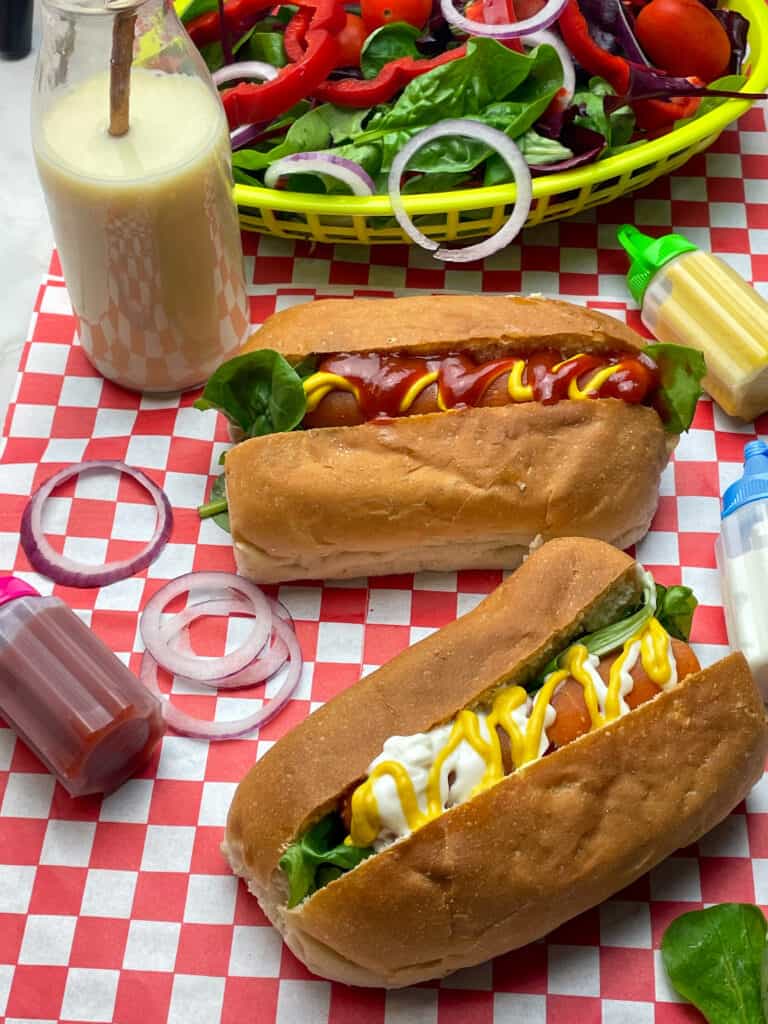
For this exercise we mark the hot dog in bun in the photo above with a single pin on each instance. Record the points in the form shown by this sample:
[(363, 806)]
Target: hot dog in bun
[(443, 432), (501, 776)]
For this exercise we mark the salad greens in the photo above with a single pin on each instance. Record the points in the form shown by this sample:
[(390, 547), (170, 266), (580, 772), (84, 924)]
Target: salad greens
[(491, 84), (319, 857), (715, 958)]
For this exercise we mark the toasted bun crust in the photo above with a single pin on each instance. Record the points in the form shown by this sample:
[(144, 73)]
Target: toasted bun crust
[(435, 323), (467, 489), (544, 844)]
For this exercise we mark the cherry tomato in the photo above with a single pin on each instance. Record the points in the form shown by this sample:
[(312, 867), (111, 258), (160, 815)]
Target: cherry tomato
[(683, 38), (351, 39), (381, 12)]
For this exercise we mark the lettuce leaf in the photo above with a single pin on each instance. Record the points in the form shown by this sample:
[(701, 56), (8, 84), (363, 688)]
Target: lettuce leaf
[(319, 857), (260, 392), (674, 610), (681, 372), (714, 957)]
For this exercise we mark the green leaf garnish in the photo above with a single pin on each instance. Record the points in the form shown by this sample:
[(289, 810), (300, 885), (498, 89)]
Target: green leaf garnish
[(319, 857), (216, 507), (714, 958), (681, 371), (260, 392), (674, 609)]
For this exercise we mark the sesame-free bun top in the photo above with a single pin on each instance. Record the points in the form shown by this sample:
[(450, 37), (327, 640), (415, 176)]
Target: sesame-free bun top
[(440, 323)]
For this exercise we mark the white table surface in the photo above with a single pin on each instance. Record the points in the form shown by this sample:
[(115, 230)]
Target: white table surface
[(25, 235)]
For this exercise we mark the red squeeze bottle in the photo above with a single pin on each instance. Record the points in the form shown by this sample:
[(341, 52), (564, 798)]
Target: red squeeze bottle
[(71, 700)]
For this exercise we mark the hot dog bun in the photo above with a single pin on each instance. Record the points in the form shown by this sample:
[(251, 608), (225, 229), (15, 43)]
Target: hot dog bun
[(544, 844), (469, 489), (466, 489)]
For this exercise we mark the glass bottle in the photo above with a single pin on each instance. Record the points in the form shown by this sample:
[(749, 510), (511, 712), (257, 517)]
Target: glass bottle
[(145, 223)]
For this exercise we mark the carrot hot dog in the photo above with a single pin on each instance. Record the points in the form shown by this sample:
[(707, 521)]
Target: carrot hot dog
[(455, 804), (442, 432)]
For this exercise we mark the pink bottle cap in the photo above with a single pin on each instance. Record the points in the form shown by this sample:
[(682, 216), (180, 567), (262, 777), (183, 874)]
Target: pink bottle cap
[(12, 587)]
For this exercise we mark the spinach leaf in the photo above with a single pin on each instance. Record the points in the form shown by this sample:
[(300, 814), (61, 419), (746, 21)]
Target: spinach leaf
[(681, 372), (259, 392), (216, 506), (514, 116), (264, 46), (319, 857), (343, 124), (213, 55), (674, 609), (463, 87), (713, 957), (617, 127), (390, 42), (308, 132)]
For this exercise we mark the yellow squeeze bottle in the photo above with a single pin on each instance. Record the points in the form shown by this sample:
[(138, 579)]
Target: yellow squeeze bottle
[(690, 297)]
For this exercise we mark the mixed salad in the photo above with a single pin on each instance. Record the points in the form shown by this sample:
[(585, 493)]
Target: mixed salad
[(405, 96)]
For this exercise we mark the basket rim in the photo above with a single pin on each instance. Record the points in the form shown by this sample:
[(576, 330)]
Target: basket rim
[(699, 133)]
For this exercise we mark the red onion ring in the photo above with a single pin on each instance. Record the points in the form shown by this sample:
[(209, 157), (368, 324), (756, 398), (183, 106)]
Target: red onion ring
[(45, 560), (506, 149), (346, 171), (187, 725), (257, 69), (155, 635), (547, 16), (176, 632)]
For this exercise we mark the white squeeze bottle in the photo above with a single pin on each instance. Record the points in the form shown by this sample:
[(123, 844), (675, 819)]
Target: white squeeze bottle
[(742, 557), (690, 297)]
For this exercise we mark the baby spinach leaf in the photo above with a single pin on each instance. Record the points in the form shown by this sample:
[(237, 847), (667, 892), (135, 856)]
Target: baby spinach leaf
[(308, 132), (681, 372), (390, 42), (259, 392), (263, 46), (461, 88), (537, 149), (319, 857), (713, 957), (674, 609)]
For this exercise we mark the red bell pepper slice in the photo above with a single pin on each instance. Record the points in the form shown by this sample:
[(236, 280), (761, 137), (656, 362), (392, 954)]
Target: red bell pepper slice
[(248, 103), (239, 15), (351, 92), (593, 58)]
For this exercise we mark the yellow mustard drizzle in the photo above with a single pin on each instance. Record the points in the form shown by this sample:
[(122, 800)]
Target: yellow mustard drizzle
[(595, 382), (518, 391), (415, 390), (318, 385), (655, 655)]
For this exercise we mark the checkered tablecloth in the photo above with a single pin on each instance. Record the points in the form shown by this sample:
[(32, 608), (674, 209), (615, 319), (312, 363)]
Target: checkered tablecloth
[(123, 909)]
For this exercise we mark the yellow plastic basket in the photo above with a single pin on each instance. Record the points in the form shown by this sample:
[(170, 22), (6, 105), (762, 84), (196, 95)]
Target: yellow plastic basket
[(479, 212)]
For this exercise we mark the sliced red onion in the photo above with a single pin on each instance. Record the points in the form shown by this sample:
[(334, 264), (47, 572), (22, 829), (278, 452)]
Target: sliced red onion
[(566, 60), (45, 560), (257, 69), (187, 725), (155, 635), (358, 180), (506, 149), (176, 633), (547, 16)]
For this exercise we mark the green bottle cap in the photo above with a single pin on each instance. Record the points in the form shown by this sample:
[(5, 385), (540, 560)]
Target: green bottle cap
[(649, 255)]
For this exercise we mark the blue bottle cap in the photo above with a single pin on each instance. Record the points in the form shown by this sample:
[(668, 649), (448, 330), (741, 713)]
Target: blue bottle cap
[(753, 486)]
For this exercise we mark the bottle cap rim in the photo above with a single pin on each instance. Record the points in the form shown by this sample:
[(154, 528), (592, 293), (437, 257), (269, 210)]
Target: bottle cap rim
[(12, 587)]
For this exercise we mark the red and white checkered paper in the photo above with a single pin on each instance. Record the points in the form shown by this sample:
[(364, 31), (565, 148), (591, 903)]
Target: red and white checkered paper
[(123, 909)]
